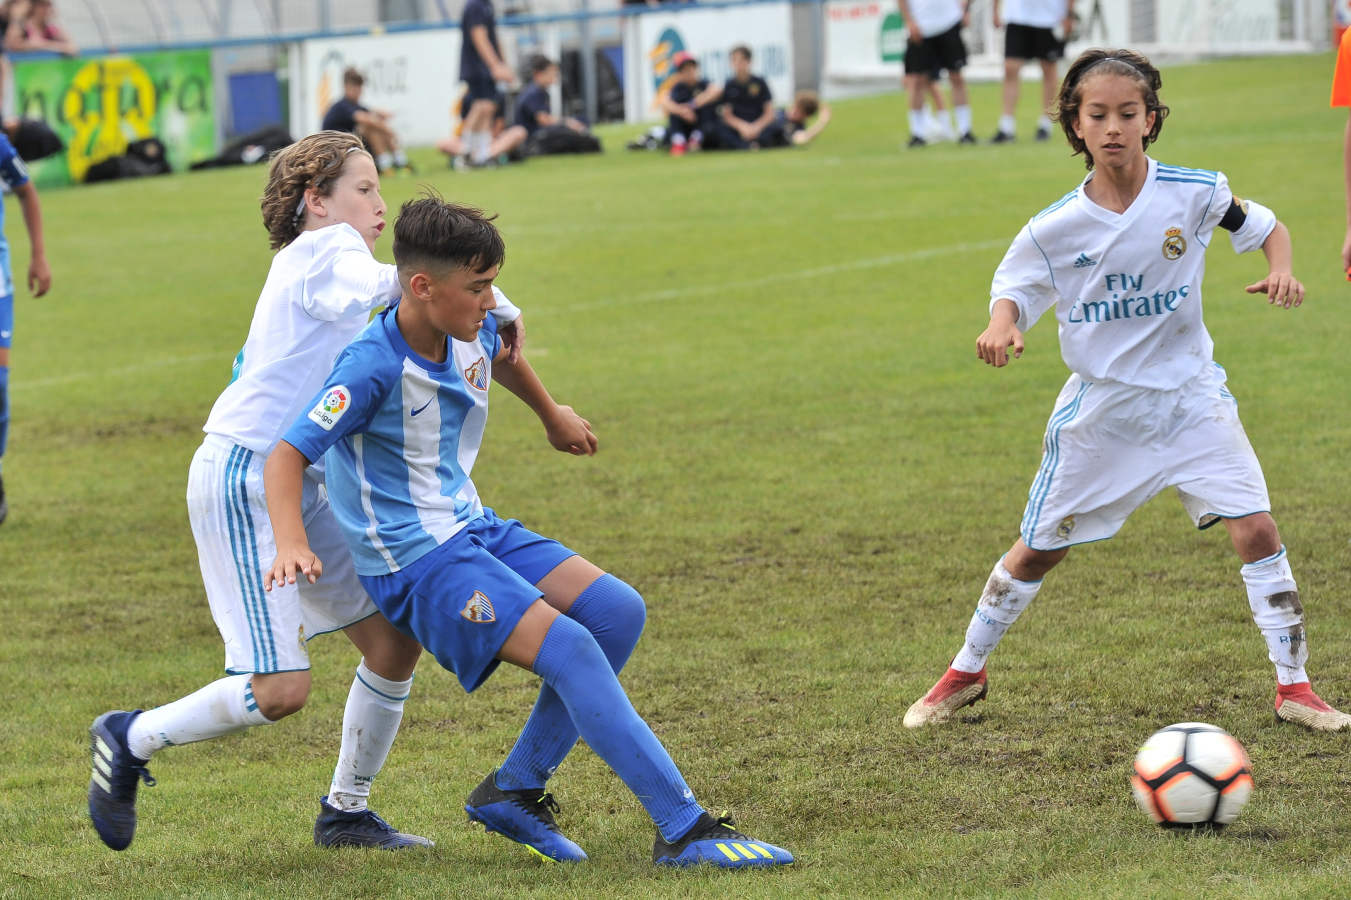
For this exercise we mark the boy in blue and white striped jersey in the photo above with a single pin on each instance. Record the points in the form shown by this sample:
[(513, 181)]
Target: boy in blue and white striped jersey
[(399, 422)]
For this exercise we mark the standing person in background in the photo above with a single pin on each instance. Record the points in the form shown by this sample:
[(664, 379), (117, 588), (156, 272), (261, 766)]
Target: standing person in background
[(15, 177), (1030, 34), (371, 125), (1341, 96), (481, 68), (935, 45)]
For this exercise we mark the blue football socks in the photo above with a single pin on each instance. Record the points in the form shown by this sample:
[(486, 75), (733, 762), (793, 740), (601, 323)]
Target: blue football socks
[(4, 408), (614, 614), (572, 663)]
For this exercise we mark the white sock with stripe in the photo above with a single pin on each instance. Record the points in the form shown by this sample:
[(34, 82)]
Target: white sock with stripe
[(222, 707), (369, 723), (1001, 603), (1274, 599)]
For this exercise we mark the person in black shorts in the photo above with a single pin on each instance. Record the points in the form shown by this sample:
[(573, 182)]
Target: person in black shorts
[(1030, 33), (935, 45), (690, 105), (481, 68)]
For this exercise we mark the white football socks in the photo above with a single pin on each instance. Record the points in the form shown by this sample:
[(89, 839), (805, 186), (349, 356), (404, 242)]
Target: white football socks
[(480, 142), (963, 120), (1276, 609), (222, 707), (918, 125), (374, 710), (1002, 601), (1008, 125)]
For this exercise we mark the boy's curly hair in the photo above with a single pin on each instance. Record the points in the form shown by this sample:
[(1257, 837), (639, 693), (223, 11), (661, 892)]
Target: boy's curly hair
[(1091, 63), (312, 162)]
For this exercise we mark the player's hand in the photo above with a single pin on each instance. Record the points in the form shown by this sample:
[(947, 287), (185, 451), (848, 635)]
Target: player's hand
[(39, 277), (502, 72), (571, 433), (1346, 254), (1281, 288), (513, 338), (915, 34), (290, 564), (994, 342), (998, 19), (686, 113)]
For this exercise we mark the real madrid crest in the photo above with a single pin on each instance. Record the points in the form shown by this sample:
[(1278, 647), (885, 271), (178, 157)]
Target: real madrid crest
[(1174, 244)]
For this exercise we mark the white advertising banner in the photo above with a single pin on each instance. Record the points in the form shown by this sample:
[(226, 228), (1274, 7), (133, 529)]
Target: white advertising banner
[(652, 39), (864, 39), (415, 76)]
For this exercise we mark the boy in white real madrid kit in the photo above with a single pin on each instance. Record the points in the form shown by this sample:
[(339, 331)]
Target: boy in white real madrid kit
[(1120, 259), (399, 423), (323, 211)]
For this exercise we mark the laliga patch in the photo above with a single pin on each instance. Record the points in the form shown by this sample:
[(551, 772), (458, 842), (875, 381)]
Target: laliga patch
[(477, 374), (1174, 244), (479, 609), (1065, 527), (330, 408), (1242, 204)]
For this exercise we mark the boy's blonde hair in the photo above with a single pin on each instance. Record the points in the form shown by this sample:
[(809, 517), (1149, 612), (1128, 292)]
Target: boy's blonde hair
[(312, 162)]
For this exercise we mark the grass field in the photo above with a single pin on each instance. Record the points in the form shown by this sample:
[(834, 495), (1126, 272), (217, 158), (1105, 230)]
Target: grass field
[(803, 468)]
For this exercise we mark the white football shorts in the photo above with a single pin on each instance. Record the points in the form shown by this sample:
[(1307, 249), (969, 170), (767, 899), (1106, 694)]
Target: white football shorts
[(264, 631), (1110, 447)]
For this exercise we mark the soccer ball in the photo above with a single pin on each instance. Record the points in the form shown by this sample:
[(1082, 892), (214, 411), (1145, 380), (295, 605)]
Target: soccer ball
[(1192, 775)]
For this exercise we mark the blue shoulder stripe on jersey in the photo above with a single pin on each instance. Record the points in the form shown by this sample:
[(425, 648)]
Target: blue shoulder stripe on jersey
[(1041, 485), (1050, 269), (1056, 205), (1181, 170), (235, 542), (1185, 180)]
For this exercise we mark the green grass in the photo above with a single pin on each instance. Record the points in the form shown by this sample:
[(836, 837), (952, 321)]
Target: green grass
[(803, 468)]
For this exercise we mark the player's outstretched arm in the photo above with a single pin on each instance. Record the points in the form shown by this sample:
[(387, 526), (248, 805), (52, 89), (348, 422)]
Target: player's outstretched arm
[(1002, 333), (283, 475), (566, 430), (1281, 287)]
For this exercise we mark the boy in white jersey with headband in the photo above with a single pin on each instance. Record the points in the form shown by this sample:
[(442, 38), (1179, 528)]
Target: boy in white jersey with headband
[(323, 212), (400, 420), (1120, 259)]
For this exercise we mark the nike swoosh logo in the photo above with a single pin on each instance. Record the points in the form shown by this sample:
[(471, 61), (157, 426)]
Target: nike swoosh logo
[(421, 408)]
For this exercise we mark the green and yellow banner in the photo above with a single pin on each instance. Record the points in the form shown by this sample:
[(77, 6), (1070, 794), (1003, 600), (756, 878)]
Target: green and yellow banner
[(99, 106)]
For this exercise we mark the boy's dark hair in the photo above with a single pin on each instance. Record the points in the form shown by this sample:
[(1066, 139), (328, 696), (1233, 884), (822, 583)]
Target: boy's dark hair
[(807, 103), (434, 233), (351, 75), (311, 162), (1092, 63), (540, 63), (743, 50)]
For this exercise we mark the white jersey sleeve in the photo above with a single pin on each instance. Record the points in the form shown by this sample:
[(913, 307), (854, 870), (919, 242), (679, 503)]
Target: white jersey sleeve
[(343, 277), (505, 312), (1025, 277), (1258, 220)]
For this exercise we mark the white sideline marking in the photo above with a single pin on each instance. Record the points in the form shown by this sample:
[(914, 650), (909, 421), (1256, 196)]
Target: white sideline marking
[(875, 262)]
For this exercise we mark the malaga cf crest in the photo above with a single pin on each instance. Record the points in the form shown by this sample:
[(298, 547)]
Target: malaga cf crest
[(1174, 244), (477, 374), (479, 609)]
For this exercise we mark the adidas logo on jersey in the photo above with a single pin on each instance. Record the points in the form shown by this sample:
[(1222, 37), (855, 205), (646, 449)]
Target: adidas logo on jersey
[(1084, 261)]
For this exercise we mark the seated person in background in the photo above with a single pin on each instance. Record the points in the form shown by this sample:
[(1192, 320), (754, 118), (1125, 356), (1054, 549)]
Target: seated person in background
[(748, 106), (544, 132), (505, 145), (790, 128), (689, 104), (32, 26), (372, 126)]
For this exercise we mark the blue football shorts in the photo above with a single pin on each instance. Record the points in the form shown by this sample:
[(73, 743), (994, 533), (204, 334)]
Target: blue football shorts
[(462, 600)]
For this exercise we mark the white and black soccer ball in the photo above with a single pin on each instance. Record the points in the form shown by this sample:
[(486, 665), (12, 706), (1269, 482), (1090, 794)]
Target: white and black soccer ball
[(1192, 775)]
